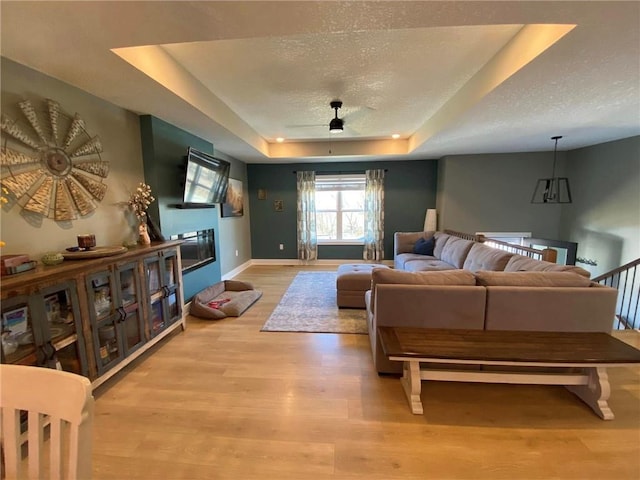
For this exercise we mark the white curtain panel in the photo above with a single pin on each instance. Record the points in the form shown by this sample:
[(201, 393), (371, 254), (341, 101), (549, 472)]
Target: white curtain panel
[(374, 216), (306, 228)]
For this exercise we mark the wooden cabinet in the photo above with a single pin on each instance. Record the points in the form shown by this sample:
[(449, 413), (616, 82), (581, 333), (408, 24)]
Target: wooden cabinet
[(93, 316), (43, 327)]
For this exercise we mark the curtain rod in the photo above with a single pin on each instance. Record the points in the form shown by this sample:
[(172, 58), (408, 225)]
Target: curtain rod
[(339, 172)]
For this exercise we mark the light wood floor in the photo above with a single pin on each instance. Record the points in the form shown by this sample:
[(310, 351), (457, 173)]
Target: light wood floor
[(223, 400)]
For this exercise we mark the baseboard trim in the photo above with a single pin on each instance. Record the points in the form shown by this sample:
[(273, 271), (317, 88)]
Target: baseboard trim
[(232, 273), (295, 262)]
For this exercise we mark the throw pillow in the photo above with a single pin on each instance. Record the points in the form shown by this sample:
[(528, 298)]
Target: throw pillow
[(424, 246)]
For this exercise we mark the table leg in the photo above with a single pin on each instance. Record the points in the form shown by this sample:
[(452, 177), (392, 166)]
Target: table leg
[(411, 383), (596, 392)]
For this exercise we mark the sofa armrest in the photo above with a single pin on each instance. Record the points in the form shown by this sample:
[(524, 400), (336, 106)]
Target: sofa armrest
[(403, 242)]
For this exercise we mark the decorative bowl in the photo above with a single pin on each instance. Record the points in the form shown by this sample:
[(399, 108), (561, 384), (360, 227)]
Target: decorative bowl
[(52, 258)]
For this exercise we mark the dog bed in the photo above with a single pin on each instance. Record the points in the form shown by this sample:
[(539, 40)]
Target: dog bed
[(229, 298)]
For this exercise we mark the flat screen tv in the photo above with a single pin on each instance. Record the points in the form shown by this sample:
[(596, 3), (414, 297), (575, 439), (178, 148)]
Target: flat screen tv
[(206, 181)]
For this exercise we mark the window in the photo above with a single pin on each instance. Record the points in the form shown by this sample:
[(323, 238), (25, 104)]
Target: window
[(340, 209)]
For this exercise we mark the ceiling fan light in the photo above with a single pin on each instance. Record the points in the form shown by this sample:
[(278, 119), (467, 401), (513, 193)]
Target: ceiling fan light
[(336, 126)]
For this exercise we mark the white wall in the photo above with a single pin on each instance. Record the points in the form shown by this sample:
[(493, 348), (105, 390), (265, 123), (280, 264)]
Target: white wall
[(120, 134)]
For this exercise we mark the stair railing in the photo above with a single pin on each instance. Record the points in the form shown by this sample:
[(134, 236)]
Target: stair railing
[(548, 254), (625, 279)]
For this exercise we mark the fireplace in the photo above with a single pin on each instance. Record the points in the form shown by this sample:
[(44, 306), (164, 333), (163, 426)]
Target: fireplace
[(197, 250)]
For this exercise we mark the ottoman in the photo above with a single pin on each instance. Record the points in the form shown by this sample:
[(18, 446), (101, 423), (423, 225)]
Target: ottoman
[(352, 281)]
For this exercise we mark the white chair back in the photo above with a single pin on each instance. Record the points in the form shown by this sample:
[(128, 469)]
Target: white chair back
[(46, 414)]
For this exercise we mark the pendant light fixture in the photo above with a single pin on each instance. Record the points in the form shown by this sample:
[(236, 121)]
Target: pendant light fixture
[(554, 189), (337, 124)]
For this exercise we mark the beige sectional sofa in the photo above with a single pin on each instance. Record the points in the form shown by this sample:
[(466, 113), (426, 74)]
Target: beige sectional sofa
[(468, 285)]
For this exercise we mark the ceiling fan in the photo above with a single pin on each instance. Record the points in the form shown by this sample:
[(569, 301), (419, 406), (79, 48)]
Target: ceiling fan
[(337, 124)]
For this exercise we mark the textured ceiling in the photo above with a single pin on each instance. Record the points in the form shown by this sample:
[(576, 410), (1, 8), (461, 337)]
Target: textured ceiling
[(388, 81), (449, 77)]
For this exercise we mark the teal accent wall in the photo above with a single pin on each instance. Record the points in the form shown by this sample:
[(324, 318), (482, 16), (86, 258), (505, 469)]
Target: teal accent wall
[(410, 189), (164, 148)]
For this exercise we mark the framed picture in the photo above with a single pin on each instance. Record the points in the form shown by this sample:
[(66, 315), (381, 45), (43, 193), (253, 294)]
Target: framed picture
[(262, 194), (234, 203), (278, 205), (16, 320)]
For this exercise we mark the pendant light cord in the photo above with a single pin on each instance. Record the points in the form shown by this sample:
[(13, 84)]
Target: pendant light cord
[(555, 154)]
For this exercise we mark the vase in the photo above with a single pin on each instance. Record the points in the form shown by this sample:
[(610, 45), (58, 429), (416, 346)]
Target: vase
[(143, 235)]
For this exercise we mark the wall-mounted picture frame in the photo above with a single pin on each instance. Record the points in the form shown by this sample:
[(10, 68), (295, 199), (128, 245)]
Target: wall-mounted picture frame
[(234, 203), (278, 205), (262, 194)]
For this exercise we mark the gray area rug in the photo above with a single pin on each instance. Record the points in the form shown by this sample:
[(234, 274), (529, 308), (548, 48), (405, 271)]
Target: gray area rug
[(309, 305)]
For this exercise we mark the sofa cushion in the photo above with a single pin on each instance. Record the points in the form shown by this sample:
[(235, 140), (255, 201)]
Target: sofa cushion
[(390, 276), (402, 259), (429, 264), (424, 246), (531, 279), (441, 241), (455, 251), (447, 277), (482, 257), (520, 263)]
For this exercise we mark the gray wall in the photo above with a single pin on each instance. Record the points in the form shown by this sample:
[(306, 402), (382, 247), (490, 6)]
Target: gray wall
[(235, 232), (410, 188), (120, 131), (604, 218), (120, 135), (492, 192)]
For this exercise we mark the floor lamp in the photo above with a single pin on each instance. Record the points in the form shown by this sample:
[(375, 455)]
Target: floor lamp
[(430, 220)]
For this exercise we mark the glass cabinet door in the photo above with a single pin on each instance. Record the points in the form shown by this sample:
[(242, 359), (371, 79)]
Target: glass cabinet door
[(170, 269), (18, 341), (105, 316), (132, 322), (154, 274), (157, 319), (63, 327), (165, 303), (172, 301)]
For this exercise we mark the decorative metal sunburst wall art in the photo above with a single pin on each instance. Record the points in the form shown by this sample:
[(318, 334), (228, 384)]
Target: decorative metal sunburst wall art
[(50, 164)]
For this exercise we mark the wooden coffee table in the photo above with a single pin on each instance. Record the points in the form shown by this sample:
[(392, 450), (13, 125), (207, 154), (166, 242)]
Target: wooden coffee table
[(590, 352)]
